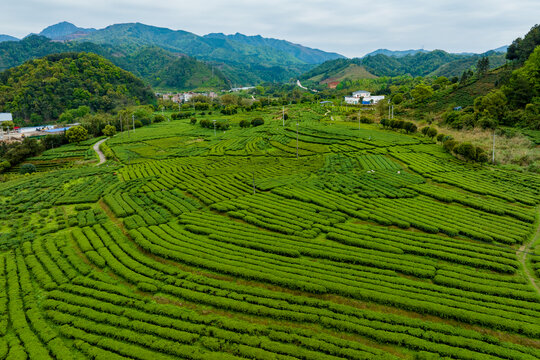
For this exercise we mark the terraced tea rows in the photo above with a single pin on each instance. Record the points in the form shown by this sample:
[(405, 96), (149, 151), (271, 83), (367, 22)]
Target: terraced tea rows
[(371, 245)]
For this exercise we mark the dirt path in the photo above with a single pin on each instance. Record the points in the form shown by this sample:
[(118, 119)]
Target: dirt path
[(522, 257), (102, 158)]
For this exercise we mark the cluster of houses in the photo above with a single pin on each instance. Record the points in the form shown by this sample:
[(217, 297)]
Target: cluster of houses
[(185, 97), (362, 97)]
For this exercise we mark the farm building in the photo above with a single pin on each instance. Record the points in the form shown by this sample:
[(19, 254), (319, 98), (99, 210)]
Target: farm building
[(351, 100), (5, 117), (361, 93), (363, 97)]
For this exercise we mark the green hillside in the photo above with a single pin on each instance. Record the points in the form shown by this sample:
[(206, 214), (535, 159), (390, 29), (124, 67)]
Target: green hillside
[(263, 60), (156, 66), (44, 88), (433, 63), (267, 242)]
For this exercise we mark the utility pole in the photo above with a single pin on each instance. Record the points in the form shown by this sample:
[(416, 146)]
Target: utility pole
[(133, 121), (214, 121), (297, 138), (392, 111), (493, 151)]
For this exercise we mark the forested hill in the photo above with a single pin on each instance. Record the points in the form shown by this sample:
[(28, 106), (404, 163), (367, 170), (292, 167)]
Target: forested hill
[(42, 89), (158, 67), (244, 59), (437, 63)]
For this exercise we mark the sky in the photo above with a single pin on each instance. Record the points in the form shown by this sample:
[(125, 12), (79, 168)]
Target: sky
[(351, 28)]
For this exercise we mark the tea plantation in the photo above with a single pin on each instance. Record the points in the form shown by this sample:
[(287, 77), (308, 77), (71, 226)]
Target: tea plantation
[(372, 244)]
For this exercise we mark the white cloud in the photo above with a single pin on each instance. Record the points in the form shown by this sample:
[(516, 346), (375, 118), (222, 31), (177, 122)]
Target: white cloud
[(350, 28)]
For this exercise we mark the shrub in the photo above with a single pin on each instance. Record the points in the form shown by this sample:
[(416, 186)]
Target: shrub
[(365, 120), (424, 130), (449, 145), (138, 124), (4, 165), (193, 121), (432, 132), (257, 121), (76, 134), (27, 169), (467, 150), (159, 118), (244, 123), (109, 130)]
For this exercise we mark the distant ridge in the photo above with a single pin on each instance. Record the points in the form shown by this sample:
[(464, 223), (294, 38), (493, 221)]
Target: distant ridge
[(7, 38), (402, 53), (64, 31), (396, 53)]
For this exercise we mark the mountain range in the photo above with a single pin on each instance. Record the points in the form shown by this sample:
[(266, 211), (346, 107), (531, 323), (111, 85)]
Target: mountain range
[(414, 63), (177, 59)]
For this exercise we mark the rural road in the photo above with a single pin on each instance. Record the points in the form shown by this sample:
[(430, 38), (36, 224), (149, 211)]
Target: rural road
[(102, 158), (522, 257)]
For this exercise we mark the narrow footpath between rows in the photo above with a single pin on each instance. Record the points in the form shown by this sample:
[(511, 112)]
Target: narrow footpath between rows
[(522, 256), (102, 158)]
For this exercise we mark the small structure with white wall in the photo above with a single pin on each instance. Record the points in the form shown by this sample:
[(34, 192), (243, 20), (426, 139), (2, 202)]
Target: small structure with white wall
[(363, 97), (5, 117), (352, 100), (361, 94)]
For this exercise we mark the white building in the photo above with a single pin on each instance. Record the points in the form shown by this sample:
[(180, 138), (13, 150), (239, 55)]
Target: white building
[(372, 99), (363, 97), (361, 94), (5, 117), (351, 100)]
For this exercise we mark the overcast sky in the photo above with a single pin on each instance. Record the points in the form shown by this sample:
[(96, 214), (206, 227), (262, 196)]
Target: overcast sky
[(352, 28)]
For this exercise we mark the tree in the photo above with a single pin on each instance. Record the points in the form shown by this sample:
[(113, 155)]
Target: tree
[(421, 93), (449, 145), (467, 150), (520, 49), (76, 134), (482, 65), (27, 169), (109, 130), (257, 121), (398, 99), (432, 132), (4, 165), (492, 105), (159, 118), (7, 125)]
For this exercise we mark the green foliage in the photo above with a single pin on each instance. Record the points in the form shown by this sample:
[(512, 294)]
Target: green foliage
[(158, 118), (76, 134), (482, 66), (421, 93), (49, 86), (27, 169), (521, 49), (4, 165), (257, 122), (109, 130)]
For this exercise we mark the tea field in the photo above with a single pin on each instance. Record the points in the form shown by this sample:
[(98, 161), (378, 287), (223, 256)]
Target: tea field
[(372, 244)]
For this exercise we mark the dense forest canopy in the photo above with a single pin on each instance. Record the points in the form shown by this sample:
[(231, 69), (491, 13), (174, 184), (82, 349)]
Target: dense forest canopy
[(42, 89)]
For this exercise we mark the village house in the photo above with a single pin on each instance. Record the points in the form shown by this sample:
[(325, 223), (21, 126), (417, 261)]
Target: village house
[(363, 97)]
